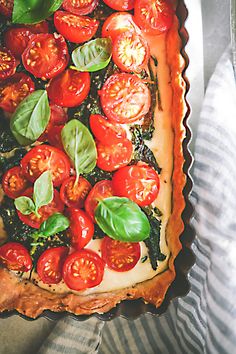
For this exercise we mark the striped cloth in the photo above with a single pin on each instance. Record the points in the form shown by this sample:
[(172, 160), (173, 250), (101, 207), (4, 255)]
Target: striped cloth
[(205, 320)]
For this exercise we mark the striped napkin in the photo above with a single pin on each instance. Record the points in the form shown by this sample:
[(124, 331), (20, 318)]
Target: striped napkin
[(205, 320)]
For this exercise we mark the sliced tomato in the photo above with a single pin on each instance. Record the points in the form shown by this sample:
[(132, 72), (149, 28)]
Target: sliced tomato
[(14, 182), (15, 257), (58, 117), (120, 256), (50, 263), (75, 28), (80, 7), (130, 52), (16, 40), (74, 194), (14, 90), (81, 228), (100, 191), (120, 5), (56, 206), (112, 157), (125, 98), (153, 16), (70, 88), (118, 23), (46, 158), (106, 132), (6, 7), (46, 55), (7, 63), (41, 27), (140, 183), (54, 136), (83, 269)]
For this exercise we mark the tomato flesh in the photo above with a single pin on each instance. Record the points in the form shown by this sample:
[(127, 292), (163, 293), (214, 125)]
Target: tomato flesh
[(120, 5), (75, 28), (58, 118), (83, 269), (118, 23), (106, 132), (15, 257), (70, 88), (46, 55), (54, 136), (7, 63), (80, 7), (14, 182), (16, 40), (74, 195), (6, 7), (41, 27), (100, 191), (125, 98), (81, 228), (50, 263), (120, 256), (140, 183), (46, 158)]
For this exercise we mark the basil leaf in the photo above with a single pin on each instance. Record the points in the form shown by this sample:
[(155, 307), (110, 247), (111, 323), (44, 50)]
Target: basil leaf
[(25, 205), (93, 56), (54, 224), (43, 190), (79, 146), (31, 117), (122, 219), (34, 11)]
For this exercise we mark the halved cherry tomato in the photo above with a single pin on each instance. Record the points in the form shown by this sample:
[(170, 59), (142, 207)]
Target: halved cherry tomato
[(58, 117), (7, 63), (125, 98), (6, 7), (46, 158), (70, 88), (16, 40), (130, 52), (83, 269), (106, 132), (81, 228), (15, 257), (50, 263), (112, 157), (80, 7), (14, 182), (41, 27), (46, 55), (153, 16), (140, 183), (56, 206), (14, 90), (75, 28), (54, 136), (100, 191), (118, 23), (120, 256), (74, 195), (120, 5)]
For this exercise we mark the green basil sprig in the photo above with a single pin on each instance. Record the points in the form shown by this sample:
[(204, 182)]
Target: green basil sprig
[(34, 11), (92, 56), (31, 118), (79, 146), (42, 195), (122, 219)]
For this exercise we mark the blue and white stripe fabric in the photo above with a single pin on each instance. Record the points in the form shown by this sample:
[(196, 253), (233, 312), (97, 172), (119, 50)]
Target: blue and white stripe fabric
[(205, 320)]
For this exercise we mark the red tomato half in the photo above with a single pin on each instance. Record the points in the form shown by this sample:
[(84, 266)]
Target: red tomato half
[(58, 117), (54, 136), (81, 228), (50, 263), (130, 52), (120, 5), (46, 55), (6, 7), (70, 88), (15, 257), (7, 63), (82, 270), (120, 256), (139, 183), (56, 206), (112, 157), (106, 132), (100, 191), (14, 90), (41, 27), (74, 195), (16, 40), (125, 98), (118, 23), (14, 182), (46, 158), (153, 16), (75, 28), (80, 7)]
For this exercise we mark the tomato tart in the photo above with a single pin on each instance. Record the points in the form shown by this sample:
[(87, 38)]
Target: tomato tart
[(91, 153)]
